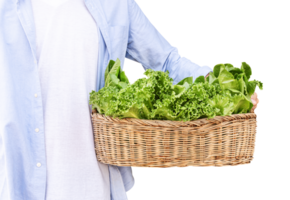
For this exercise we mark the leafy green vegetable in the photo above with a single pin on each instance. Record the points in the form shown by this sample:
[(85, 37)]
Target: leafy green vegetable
[(227, 90), (114, 76), (237, 82)]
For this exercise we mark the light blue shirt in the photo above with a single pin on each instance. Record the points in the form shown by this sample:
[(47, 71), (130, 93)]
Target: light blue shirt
[(124, 32)]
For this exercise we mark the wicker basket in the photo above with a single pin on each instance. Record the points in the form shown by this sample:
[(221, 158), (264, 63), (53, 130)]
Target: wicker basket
[(220, 141)]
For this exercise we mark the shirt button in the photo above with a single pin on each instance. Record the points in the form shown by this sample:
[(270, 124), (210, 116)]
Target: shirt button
[(36, 130), (35, 61), (38, 164), (35, 95)]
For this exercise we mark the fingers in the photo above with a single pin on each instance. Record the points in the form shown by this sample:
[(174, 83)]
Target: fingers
[(253, 109), (254, 96), (255, 101)]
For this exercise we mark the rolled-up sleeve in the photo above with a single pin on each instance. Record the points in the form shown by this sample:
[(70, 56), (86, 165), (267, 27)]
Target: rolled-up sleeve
[(148, 47)]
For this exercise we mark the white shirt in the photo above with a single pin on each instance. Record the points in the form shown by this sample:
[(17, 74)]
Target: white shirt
[(67, 51)]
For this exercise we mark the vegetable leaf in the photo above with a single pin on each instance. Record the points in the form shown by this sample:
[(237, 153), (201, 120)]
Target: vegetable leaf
[(227, 90)]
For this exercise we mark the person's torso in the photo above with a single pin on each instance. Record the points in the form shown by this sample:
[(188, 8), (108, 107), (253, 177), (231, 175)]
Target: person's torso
[(67, 54)]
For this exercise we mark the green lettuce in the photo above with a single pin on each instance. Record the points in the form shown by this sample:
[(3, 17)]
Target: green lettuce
[(236, 80), (227, 90)]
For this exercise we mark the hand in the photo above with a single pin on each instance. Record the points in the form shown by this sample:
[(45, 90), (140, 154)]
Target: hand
[(255, 101)]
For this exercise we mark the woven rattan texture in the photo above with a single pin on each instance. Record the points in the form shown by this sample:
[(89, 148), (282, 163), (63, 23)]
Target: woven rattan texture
[(220, 141)]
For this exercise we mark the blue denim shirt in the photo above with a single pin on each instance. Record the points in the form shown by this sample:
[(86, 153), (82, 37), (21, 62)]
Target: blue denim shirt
[(124, 32)]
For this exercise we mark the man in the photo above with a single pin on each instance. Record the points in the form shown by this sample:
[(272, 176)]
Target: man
[(51, 57)]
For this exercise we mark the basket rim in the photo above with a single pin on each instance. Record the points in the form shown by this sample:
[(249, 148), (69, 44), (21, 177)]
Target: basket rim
[(169, 123)]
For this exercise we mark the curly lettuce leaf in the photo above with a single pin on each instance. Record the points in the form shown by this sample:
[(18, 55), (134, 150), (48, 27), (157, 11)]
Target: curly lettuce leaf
[(188, 105), (138, 99), (104, 100), (227, 90)]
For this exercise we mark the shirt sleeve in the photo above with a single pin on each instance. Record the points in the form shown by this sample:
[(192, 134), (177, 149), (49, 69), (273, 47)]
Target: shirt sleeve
[(121, 181), (148, 47)]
